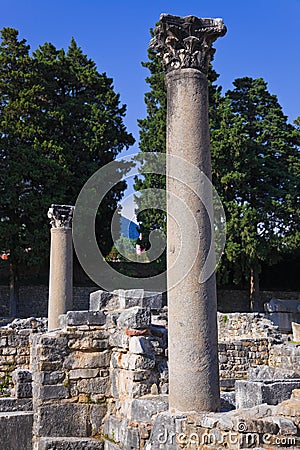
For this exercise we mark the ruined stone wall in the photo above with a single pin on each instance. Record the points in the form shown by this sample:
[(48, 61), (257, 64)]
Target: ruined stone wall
[(285, 356), (262, 427), (235, 358), (95, 366), (237, 326), (34, 300), (15, 348)]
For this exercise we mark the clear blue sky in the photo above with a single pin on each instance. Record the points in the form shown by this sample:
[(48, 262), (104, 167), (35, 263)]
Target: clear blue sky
[(263, 40)]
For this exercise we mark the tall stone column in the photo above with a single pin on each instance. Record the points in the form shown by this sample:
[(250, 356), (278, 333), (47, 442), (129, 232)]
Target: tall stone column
[(185, 47), (61, 263)]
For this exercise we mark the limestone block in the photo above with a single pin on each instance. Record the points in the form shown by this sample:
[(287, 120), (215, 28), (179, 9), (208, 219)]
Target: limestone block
[(16, 430), (103, 300), (22, 390), (132, 438), (94, 386), (83, 373), (47, 392), (130, 361), (140, 345), (135, 317), (115, 429), (252, 393), (296, 331), (143, 409), (268, 373), (55, 377), (89, 360), (111, 446), (96, 416), (119, 338), (70, 443), (75, 318), (21, 376), (9, 404), (139, 297), (64, 419), (165, 428), (286, 426)]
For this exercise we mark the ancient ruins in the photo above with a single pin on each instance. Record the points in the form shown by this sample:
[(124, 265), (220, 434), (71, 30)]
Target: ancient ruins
[(129, 372)]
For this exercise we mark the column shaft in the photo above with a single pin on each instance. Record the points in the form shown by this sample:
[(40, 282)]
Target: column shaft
[(61, 263), (193, 351)]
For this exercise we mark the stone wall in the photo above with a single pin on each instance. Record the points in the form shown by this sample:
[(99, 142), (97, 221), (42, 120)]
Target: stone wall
[(34, 300), (235, 358), (101, 380), (237, 326), (285, 356), (15, 348), (245, 340), (262, 427), (95, 366)]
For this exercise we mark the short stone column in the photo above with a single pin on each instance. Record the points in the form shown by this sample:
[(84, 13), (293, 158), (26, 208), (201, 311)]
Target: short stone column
[(185, 47), (61, 263)]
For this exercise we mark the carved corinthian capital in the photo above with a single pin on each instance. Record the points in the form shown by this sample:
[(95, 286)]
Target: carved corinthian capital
[(61, 216), (186, 42)]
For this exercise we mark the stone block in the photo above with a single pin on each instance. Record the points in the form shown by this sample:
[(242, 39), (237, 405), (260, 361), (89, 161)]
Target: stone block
[(268, 373), (140, 345), (53, 391), (119, 338), (143, 409), (96, 416), (132, 438), (55, 377), (165, 428), (21, 376), (286, 426), (227, 401), (130, 361), (103, 300), (62, 420), (16, 430), (252, 393), (136, 317), (296, 331), (8, 404), (139, 297), (76, 318), (111, 446), (70, 443), (94, 386), (115, 429), (83, 373), (88, 360), (22, 390)]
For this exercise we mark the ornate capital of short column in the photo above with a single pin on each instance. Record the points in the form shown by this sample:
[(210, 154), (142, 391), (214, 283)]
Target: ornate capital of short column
[(186, 42), (61, 216)]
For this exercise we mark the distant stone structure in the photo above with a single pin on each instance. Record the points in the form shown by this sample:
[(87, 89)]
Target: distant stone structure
[(61, 263), (185, 48)]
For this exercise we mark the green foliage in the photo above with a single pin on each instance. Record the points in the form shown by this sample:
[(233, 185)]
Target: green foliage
[(255, 158), (60, 121)]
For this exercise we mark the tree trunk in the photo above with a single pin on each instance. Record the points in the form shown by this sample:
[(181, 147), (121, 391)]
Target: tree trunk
[(255, 300), (13, 290)]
